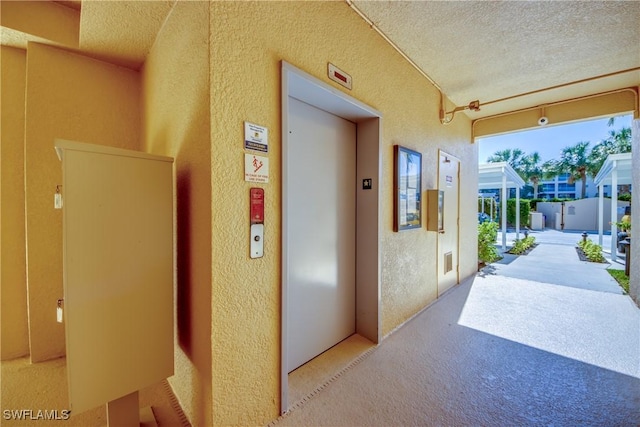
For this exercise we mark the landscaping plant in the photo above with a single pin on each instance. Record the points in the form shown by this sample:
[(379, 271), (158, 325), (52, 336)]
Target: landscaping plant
[(592, 251), (487, 235), (525, 208), (523, 245), (621, 278)]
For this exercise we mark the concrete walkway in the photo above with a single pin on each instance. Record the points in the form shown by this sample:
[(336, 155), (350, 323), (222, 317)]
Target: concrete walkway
[(556, 261), (542, 339)]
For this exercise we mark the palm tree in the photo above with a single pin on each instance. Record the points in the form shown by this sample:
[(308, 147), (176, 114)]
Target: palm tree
[(574, 160), (617, 142), (532, 170), (514, 157)]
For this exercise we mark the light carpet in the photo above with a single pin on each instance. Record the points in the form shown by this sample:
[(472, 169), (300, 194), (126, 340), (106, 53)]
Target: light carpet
[(487, 353), (43, 387)]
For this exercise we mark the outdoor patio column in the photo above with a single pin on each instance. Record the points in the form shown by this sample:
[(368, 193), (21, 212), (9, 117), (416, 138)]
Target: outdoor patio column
[(517, 213), (504, 212), (600, 213), (614, 211)]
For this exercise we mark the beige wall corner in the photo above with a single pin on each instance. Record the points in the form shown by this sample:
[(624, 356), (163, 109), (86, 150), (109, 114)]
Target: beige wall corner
[(71, 97), (13, 283), (175, 80)]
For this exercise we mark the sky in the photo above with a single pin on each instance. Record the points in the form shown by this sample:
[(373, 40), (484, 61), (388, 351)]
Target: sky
[(549, 141)]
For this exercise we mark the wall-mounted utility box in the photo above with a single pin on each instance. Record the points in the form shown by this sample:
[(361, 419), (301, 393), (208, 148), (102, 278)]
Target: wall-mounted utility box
[(118, 271), (435, 210)]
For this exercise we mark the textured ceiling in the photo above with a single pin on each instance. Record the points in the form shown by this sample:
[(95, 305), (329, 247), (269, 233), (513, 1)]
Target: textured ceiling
[(122, 32), (491, 50)]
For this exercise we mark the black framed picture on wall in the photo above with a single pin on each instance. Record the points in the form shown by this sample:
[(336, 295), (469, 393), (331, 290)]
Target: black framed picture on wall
[(407, 179)]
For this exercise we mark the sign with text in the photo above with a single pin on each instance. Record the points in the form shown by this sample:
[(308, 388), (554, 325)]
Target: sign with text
[(256, 168), (256, 137)]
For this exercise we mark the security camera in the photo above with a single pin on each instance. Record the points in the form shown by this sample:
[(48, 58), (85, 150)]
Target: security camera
[(543, 121)]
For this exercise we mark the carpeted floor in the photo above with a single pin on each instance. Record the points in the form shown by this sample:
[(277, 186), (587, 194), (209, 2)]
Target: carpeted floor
[(495, 351), (43, 387), (305, 381)]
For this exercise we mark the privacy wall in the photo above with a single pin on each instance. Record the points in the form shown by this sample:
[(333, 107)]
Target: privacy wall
[(76, 98), (13, 283), (248, 41)]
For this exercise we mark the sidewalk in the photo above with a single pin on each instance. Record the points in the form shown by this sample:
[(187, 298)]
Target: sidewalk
[(556, 261)]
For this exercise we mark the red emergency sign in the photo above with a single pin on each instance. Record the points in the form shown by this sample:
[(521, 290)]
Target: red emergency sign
[(257, 205)]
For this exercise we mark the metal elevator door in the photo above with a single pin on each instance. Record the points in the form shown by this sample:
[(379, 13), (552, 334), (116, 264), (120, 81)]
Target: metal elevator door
[(322, 235)]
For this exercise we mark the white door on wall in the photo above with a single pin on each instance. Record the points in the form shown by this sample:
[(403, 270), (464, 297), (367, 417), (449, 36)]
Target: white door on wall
[(321, 212), (448, 258)]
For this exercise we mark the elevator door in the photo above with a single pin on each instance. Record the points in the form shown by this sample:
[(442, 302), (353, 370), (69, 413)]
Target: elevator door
[(321, 212)]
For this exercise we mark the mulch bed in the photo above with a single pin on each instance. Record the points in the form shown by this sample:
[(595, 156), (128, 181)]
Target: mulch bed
[(583, 257)]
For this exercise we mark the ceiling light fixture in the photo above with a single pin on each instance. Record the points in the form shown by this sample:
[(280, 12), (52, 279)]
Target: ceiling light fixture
[(446, 117)]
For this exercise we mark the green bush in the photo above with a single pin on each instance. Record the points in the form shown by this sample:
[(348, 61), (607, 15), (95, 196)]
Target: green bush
[(624, 197), (533, 204), (592, 251), (525, 208), (521, 246), (487, 235)]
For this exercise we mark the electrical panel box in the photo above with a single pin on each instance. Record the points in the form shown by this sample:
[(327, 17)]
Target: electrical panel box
[(435, 210), (118, 271)]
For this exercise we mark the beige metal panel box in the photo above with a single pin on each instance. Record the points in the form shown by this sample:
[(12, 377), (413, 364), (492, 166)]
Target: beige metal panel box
[(118, 271), (435, 207)]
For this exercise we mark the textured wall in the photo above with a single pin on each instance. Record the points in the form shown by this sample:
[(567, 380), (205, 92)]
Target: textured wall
[(13, 283), (43, 19), (176, 123), (248, 41), (72, 97)]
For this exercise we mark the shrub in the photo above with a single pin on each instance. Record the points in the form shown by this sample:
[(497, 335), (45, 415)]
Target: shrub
[(521, 246), (487, 235), (533, 204), (623, 225), (624, 197), (592, 251), (525, 208)]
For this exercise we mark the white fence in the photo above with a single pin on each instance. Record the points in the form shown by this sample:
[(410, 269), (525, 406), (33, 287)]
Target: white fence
[(580, 215)]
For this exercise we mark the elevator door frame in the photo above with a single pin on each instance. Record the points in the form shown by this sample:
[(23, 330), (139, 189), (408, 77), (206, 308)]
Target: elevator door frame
[(306, 88)]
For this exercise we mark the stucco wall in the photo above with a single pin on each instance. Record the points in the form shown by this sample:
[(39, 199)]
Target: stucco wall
[(13, 283), (76, 98), (176, 123), (248, 41)]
